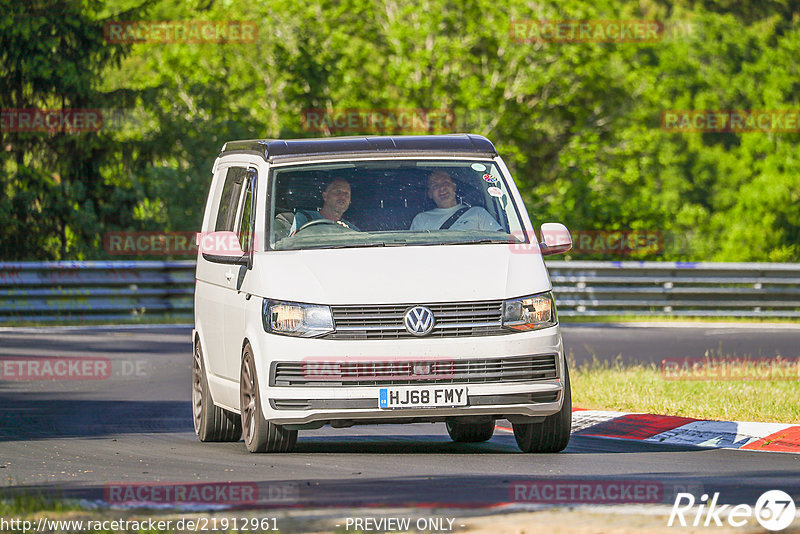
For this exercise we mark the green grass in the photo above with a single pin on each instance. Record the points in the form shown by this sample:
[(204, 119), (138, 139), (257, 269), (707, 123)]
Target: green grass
[(23, 504), (32, 507), (641, 388)]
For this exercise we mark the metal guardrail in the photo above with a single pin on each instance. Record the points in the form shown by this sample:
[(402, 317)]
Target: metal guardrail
[(129, 290), (591, 288), (96, 290)]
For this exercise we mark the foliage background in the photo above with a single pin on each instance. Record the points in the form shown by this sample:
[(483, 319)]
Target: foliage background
[(577, 123)]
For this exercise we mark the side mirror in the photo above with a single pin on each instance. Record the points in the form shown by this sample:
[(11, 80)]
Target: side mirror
[(555, 239), (222, 247)]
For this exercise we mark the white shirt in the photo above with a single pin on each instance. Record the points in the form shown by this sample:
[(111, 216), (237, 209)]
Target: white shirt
[(475, 218)]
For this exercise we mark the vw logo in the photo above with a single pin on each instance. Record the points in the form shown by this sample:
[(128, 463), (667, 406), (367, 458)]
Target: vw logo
[(419, 320)]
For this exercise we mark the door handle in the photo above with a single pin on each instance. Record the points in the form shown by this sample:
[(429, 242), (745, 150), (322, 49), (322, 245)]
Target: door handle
[(228, 276)]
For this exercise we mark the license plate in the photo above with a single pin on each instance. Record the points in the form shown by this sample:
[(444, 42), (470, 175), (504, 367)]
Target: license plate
[(422, 397)]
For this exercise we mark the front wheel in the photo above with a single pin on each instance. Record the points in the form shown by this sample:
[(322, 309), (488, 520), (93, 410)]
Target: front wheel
[(552, 434), (259, 434), (211, 423)]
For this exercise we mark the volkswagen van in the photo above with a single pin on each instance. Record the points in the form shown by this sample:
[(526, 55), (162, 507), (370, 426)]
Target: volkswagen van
[(368, 280)]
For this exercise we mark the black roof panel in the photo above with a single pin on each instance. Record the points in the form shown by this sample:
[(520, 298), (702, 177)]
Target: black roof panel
[(450, 143)]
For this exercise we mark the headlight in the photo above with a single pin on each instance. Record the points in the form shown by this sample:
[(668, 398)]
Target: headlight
[(296, 319), (530, 313)]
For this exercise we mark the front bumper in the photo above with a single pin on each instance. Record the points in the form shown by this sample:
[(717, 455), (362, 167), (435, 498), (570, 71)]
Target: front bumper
[(342, 404)]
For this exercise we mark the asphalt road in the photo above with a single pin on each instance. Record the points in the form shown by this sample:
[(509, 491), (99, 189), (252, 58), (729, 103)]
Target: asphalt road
[(643, 342), (75, 437)]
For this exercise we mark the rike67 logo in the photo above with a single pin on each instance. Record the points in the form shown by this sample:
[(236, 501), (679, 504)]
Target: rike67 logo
[(774, 510)]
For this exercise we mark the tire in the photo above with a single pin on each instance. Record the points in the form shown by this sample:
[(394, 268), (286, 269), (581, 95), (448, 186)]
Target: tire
[(259, 434), (470, 432), (211, 423), (552, 434)]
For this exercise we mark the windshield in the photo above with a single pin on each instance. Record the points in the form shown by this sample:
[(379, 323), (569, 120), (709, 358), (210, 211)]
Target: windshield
[(390, 203)]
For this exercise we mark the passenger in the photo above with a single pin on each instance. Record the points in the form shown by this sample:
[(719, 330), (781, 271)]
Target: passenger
[(448, 213)]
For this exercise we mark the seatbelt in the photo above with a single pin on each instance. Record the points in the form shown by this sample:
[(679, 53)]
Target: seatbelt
[(453, 218)]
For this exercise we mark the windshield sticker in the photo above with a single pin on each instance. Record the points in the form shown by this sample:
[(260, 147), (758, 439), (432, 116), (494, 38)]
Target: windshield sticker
[(479, 167), (495, 192), (489, 178)]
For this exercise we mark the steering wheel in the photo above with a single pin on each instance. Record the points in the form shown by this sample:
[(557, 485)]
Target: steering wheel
[(312, 223)]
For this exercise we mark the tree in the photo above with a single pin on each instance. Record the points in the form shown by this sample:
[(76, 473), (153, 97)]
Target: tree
[(55, 197)]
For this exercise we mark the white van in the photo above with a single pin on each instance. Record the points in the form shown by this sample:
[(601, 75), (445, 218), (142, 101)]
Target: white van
[(366, 280)]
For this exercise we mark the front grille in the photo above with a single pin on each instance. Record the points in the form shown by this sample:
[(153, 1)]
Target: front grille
[(408, 372), (459, 319)]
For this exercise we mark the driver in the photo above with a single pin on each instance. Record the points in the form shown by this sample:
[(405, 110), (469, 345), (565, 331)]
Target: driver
[(448, 212), (335, 201)]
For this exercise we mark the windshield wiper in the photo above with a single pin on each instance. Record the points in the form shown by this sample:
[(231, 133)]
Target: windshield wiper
[(478, 242), (358, 245), (406, 243)]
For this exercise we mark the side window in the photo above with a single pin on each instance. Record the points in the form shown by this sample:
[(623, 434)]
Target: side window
[(229, 201), (245, 226)]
